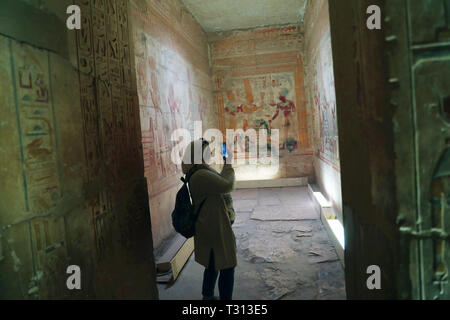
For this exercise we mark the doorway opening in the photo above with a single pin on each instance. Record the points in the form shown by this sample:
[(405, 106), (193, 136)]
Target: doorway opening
[(267, 69)]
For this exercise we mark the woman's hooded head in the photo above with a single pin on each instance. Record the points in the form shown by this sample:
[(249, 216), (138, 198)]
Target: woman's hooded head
[(197, 152)]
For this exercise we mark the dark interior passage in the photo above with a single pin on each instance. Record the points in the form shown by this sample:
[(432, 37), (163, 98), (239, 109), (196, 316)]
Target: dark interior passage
[(358, 119)]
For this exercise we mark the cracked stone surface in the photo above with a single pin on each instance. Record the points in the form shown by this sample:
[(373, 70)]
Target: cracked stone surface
[(277, 259)]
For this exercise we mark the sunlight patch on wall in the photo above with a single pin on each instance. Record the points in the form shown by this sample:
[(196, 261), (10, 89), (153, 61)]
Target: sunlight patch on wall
[(251, 173), (338, 231)]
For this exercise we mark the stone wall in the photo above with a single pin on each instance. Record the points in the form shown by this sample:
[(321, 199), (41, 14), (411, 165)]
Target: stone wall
[(73, 190), (174, 87), (258, 84), (369, 128), (321, 100)]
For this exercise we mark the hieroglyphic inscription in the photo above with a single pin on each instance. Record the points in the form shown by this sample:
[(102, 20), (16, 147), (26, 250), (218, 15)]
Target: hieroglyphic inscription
[(51, 255), (92, 61), (37, 128), (108, 105), (102, 220)]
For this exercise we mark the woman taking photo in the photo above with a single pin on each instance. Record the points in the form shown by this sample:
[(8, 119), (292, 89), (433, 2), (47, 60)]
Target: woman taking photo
[(214, 240)]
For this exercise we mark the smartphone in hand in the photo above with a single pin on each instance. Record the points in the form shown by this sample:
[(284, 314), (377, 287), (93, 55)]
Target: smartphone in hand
[(224, 151)]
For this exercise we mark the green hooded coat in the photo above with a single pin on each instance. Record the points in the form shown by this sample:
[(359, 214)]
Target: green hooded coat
[(213, 228)]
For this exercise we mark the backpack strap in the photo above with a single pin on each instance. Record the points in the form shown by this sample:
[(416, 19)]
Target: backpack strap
[(186, 179), (200, 207), (188, 176)]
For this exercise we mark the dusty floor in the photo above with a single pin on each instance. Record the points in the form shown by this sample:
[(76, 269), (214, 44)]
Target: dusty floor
[(276, 259)]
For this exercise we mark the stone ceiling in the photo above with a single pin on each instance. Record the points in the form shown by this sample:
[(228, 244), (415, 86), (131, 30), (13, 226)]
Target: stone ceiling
[(223, 15)]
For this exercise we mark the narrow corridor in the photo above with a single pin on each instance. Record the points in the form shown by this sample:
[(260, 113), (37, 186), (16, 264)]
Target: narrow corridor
[(100, 99), (283, 251)]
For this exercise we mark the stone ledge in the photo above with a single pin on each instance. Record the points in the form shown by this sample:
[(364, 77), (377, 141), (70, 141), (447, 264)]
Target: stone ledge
[(328, 218), (275, 183)]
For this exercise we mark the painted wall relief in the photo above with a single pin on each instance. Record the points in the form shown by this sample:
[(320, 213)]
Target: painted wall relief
[(37, 131), (109, 110), (324, 99), (174, 90), (263, 102), (258, 79), (170, 99)]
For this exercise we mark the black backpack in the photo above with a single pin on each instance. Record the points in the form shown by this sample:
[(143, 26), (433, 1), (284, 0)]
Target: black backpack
[(184, 215)]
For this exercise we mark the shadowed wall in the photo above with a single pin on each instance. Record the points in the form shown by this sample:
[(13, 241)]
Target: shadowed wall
[(73, 190)]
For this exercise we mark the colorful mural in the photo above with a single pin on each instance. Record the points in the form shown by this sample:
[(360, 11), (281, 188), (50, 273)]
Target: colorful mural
[(174, 89), (168, 101), (272, 107), (258, 78)]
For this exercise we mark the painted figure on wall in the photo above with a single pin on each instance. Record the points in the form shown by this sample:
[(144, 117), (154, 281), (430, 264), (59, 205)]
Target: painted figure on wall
[(172, 94), (172, 101), (287, 108), (326, 133), (156, 96), (142, 86), (202, 106), (276, 107)]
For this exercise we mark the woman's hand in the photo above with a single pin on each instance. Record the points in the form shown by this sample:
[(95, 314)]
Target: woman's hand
[(230, 153)]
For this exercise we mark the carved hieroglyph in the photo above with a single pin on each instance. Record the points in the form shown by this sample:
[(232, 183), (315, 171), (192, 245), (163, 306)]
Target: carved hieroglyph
[(37, 128)]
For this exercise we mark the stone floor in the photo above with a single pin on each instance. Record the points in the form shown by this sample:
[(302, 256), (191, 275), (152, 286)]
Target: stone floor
[(291, 258)]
